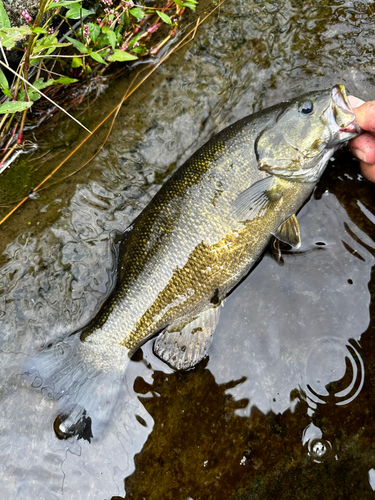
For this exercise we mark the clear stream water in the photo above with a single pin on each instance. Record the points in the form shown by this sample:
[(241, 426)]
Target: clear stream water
[(284, 407)]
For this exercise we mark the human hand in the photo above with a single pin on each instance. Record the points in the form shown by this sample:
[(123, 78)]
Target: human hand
[(363, 146)]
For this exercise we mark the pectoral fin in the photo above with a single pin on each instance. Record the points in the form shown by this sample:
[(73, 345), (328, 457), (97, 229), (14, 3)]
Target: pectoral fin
[(289, 233), (185, 345), (253, 202)]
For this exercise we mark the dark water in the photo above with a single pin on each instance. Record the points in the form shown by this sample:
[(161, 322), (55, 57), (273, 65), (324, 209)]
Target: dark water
[(284, 405)]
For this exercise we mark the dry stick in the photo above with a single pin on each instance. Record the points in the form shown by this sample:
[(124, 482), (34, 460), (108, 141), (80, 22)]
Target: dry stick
[(116, 109), (8, 154), (3, 52)]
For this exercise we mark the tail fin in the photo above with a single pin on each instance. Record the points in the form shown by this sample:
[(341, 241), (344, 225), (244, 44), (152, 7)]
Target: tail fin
[(84, 378)]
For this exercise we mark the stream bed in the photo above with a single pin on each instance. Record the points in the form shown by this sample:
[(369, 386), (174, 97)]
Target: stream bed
[(284, 406)]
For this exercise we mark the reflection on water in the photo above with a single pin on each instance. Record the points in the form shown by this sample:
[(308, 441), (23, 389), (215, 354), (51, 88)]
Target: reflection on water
[(283, 407), (332, 365)]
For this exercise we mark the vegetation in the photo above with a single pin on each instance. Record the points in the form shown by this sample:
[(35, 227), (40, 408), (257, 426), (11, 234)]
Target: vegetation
[(67, 44)]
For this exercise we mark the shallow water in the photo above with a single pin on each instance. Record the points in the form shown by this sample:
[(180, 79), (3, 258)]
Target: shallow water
[(283, 406)]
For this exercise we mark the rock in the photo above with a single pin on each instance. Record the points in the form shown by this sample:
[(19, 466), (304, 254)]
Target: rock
[(14, 9)]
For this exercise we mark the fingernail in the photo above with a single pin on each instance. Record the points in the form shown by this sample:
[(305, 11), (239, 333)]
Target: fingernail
[(359, 154), (355, 102)]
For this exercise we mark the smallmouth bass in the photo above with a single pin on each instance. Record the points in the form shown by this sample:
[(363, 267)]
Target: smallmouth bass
[(199, 236)]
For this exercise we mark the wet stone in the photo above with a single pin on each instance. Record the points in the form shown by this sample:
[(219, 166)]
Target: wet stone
[(14, 9)]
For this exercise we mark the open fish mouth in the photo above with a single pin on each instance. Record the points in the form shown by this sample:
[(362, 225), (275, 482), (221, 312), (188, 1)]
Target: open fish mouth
[(344, 118)]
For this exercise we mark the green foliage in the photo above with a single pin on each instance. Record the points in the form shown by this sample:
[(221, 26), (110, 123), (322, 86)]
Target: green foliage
[(14, 107), (138, 13), (4, 19), (191, 4), (76, 12), (94, 31), (78, 45), (40, 84), (9, 36), (97, 57), (4, 85), (76, 62), (40, 31), (120, 55), (100, 42), (164, 17), (66, 3)]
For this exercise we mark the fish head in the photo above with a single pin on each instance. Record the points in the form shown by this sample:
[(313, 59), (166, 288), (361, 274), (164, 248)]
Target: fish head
[(305, 133)]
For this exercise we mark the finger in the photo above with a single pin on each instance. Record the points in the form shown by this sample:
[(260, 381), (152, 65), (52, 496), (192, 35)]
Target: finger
[(363, 147), (368, 171)]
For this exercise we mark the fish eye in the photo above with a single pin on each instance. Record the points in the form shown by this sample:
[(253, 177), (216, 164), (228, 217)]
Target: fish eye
[(306, 108)]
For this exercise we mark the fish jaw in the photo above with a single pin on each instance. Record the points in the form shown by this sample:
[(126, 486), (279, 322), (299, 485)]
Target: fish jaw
[(341, 117)]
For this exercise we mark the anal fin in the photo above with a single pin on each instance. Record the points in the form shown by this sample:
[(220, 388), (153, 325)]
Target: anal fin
[(183, 346)]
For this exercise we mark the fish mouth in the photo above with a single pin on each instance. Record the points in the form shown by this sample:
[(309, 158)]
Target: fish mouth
[(344, 118)]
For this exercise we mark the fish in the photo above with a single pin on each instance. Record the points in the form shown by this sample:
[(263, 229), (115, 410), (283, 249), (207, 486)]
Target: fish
[(197, 239)]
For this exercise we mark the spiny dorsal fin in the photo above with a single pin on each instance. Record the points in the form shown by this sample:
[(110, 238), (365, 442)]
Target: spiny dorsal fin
[(254, 201), (184, 346), (288, 232)]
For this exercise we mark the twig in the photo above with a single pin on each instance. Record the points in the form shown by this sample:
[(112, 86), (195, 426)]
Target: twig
[(3, 52), (8, 153)]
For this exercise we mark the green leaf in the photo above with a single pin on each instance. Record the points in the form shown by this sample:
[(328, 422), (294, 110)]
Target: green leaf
[(191, 4), (14, 107), (38, 31), (138, 13), (66, 3), (48, 41), (179, 3), (40, 84), (76, 62), (33, 96), (112, 38), (4, 19), (97, 58), (140, 50), (104, 52), (3, 81), (120, 55), (9, 36), (7, 93), (64, 80), (76, 11), (94, 31), (164, 17), (133, 40), (78, 45)]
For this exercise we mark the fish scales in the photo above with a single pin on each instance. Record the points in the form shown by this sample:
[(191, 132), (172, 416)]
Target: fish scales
[(185, 245)]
